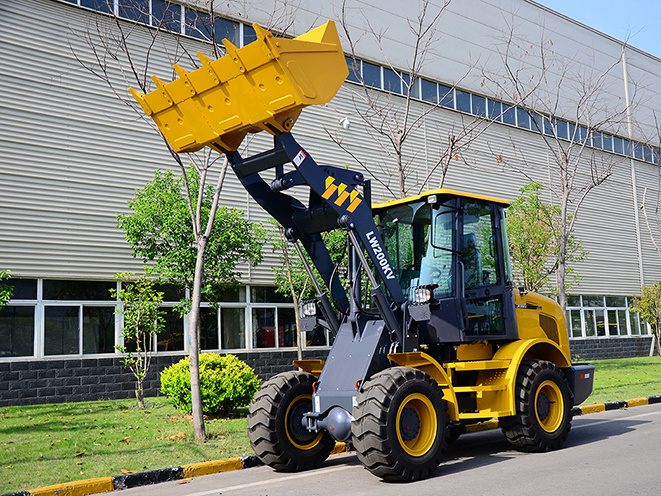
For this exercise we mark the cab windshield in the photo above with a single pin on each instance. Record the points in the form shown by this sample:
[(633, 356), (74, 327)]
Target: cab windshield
[(419, 249)]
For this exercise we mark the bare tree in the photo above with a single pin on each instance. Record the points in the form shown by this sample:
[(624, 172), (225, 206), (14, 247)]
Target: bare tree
[(392, 118), (544, 84), (121, 58)]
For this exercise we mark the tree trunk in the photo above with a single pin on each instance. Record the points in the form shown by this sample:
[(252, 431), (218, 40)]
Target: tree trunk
[(139, 394), (194, 345)]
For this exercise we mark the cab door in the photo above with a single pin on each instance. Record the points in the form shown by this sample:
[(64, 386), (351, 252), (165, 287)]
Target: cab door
[(484, 271)]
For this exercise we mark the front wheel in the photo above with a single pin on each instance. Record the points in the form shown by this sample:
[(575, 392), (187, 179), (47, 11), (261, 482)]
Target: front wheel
[(543, 408), (275, 424), (400, 425)]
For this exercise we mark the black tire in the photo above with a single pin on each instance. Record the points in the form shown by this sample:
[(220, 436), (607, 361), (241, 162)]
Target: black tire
[(543, 408), (400, 425), (275, 427)]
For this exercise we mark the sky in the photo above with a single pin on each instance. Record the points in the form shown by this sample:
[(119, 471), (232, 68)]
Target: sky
[(640, 20)]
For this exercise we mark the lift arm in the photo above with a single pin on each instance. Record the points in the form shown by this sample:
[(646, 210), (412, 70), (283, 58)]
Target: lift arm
[(263, 87)]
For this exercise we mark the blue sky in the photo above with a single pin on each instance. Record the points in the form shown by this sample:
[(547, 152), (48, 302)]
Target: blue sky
[(638, 19)]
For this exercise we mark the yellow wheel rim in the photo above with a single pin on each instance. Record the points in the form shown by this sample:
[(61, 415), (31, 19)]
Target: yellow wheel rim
[(549, 406), (416, 424), (297, 434)]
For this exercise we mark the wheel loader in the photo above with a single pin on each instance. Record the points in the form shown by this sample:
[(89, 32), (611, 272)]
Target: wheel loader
[(430, 335)]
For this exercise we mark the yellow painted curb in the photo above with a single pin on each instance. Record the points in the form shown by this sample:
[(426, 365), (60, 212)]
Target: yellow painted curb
[(638, 402), (599, 407), (483, 426), (212, 467), (76, 488)]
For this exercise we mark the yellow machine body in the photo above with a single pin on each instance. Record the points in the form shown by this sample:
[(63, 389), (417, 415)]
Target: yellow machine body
[(540, 323)]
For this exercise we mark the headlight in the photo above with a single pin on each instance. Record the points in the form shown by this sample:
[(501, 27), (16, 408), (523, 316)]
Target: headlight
[(309, 309), (422, 294)]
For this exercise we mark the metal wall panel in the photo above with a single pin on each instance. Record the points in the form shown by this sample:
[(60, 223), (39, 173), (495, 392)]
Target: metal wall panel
[(72, 155)]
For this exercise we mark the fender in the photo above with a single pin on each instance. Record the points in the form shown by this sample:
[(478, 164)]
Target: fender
[(428, 365), (503, 401)]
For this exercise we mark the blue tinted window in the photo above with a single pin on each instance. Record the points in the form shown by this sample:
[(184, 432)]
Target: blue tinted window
[(638, 151), (165, 15), (495, 110), (429, 91), (463, 101), (415, 86), (607, 141), (656, 157), (522, 118), (249, 35), (479, 105), (618, 145), (647, 153), (372, 74), (582, 135), (561, 128), (509, 115), (224, 29), (197, 24), (628, 148), (446, 96), (392, 81), (100, 5), (537, 122), (354, 69), (136, 10), (573, 135), (597, 139)]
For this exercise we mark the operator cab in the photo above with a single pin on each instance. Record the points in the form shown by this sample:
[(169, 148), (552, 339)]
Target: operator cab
[(449, 250)]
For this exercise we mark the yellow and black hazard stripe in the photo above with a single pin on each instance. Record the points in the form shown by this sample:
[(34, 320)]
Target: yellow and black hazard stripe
[(344, 193)]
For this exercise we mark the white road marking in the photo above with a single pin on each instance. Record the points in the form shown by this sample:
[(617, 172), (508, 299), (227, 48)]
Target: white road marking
[(221, 490)]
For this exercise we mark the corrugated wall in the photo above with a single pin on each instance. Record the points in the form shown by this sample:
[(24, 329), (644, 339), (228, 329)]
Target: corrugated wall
[(72, 155)]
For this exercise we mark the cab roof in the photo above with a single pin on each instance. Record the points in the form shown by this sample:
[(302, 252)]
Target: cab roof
[(440, 192)]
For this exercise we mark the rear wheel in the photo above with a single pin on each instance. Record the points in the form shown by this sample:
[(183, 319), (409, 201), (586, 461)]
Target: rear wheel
[(275, 424), (543, 406), (400, 425)]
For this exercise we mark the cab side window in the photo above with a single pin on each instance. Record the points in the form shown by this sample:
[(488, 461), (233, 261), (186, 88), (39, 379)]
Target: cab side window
[(478, 253)]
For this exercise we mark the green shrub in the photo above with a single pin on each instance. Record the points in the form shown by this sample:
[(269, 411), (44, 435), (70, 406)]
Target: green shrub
[(226, 382)]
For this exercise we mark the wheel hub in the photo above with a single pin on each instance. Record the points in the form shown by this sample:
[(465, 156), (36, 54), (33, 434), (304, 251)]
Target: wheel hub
[(296, 429), (543, 406), (409, 424)]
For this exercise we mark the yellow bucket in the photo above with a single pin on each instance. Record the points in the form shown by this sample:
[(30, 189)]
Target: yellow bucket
[(260, 87)]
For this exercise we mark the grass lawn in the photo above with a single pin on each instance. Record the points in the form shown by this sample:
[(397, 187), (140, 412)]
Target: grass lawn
[(625, 379), (48, 444)]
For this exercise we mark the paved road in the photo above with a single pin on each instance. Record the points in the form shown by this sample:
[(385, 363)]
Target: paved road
[(609, 453)]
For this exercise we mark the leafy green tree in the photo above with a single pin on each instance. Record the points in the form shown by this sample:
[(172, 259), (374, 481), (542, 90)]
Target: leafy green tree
[(533, 229), (6, 291), (648, 305), (143, 319), (159, 231), (177, 226)]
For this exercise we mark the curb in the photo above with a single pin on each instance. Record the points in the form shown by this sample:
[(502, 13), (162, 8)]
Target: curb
[(126, 481)]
